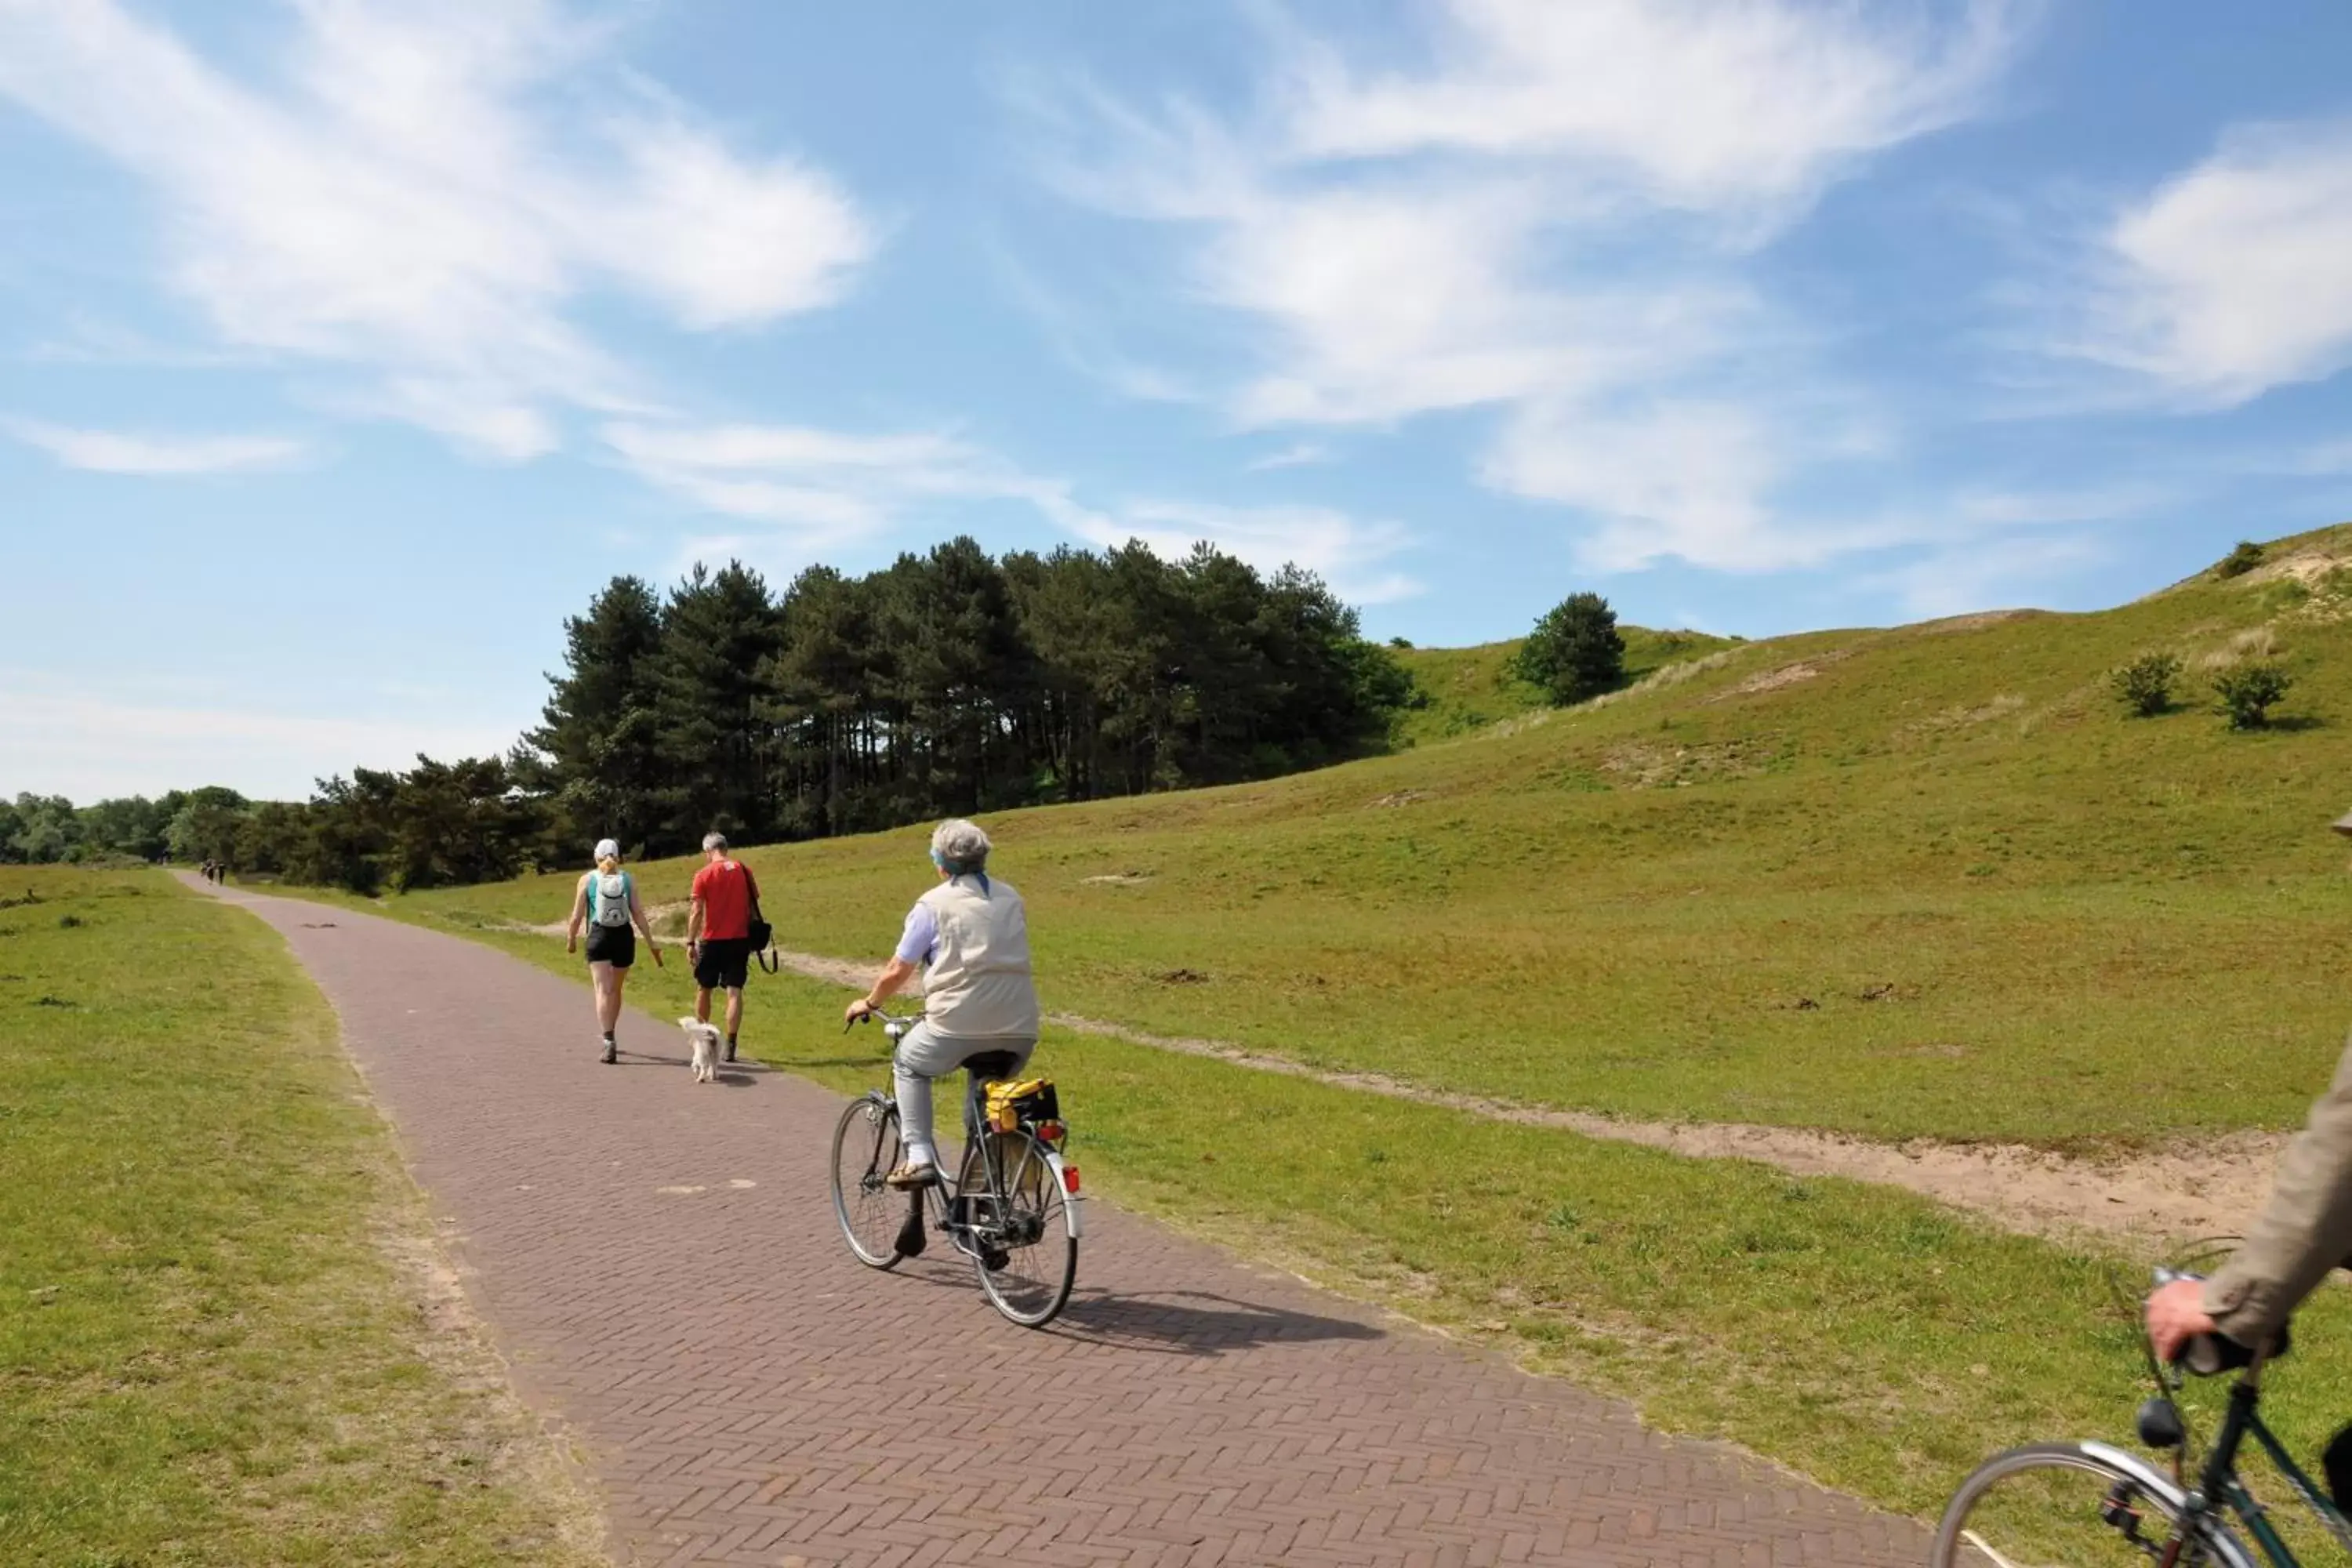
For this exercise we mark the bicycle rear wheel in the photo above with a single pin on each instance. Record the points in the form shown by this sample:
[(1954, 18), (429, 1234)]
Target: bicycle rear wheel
[(1039, 1256), (864, 1151), (2063, 1502)]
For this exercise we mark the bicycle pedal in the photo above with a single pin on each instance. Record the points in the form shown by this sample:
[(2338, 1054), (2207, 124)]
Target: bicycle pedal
[(994, 1259)]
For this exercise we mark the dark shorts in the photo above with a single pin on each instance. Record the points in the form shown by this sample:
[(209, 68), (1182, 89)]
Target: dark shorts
[(721, 964), (615, 945)]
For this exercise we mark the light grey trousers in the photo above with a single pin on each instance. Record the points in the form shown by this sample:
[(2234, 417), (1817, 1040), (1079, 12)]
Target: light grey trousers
[(926, 1054)]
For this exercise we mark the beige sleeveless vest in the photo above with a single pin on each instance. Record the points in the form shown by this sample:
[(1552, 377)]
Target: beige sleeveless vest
[(979, 983)]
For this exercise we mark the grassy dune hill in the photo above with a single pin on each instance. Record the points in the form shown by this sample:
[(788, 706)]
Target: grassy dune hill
[(1927, 880)]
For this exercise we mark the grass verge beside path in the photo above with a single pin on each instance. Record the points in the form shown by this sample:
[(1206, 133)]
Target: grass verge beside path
[(208, 1352), (1868, 1338)]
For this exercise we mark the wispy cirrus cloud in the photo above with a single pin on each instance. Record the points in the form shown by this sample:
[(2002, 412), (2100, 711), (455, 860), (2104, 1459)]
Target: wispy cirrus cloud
[(118, 452), (1299, 455), (87, 739), (1550, 214), (424, 192), (815, 490)]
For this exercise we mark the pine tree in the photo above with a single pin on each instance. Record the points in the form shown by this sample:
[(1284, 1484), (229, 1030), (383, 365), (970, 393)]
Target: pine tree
[(596, 755), (1575, 651), (713, 747)]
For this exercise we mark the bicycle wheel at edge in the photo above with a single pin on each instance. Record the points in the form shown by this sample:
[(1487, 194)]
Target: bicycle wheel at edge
[(2056, 1503), (1033, 1285), (864, 1150)]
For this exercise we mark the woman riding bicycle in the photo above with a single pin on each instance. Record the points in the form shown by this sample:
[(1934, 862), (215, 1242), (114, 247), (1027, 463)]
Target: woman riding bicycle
[(969, 935)]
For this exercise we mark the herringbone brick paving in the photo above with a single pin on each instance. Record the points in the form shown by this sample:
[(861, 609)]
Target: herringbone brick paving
[(659, 1262)]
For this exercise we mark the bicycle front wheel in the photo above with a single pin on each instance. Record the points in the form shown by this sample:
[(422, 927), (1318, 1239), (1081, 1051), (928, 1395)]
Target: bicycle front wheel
[(864, 1151), (2066, 1503), (1028, 1258)]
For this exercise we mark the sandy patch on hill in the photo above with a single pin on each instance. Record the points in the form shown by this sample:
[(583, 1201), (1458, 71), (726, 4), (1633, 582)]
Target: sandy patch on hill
[(1784, 676), (1976, 622)]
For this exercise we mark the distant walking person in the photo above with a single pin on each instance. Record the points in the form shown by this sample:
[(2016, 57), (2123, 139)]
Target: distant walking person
[(978, 995), (718, 933), (607, 898)]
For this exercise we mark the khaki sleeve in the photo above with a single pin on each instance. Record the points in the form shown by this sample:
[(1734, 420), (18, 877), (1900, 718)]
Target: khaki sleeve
[(2305, 1230)]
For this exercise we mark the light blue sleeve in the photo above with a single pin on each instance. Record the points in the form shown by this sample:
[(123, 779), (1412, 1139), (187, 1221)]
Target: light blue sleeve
[(922, 934)]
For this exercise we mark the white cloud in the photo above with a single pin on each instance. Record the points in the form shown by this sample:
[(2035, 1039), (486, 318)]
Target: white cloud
[(2231, 279), (1987, 573), (1347, 553), (86, 741), (113, 452), (819, 488), (1695, 104), (1299, 455), (1682, 478), (1549, 215), (418, 201)]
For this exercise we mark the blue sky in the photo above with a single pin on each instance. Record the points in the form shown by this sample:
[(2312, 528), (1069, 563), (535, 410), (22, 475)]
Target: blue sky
[(346, 346)]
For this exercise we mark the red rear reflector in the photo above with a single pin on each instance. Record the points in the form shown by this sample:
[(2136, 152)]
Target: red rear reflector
[(1051, 1131), (1069, 1178)]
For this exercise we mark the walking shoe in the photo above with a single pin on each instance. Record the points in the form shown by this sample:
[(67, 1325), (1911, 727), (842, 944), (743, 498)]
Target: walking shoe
[(908, 1177), (730, 1048), (612, 1051)]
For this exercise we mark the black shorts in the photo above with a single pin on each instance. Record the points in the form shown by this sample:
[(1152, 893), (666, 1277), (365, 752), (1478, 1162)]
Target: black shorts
[(615, 945), (722, 964)]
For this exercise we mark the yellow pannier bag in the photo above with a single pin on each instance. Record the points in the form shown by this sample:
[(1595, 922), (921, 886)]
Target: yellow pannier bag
[(1029, 1098)]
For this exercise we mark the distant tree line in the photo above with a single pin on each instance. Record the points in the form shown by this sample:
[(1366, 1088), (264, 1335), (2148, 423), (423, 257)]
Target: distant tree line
[(948, 683), (186, 824)]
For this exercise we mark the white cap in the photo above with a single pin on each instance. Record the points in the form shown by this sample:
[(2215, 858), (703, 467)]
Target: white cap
[(607, 850)]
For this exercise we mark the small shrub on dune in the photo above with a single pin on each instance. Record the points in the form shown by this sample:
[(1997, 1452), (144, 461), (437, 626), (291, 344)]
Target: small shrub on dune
[(2144, 685), (2241, 561), (2247, 693)]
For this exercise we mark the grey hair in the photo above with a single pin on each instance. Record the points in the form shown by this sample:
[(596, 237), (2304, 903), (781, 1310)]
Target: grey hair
[(959, 846), (714, 841)]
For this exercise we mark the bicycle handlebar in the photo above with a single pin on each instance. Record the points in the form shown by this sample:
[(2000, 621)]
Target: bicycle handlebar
[(2206, 1355), (893, 1024)]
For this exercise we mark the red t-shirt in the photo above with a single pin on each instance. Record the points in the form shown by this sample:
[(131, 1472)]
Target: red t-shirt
[(726, 888)]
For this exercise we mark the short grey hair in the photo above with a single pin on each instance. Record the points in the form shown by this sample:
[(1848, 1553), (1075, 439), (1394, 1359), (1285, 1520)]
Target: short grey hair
[(714, 841), (959, 846)]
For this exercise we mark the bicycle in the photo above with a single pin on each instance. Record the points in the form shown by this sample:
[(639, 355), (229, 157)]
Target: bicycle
[(1013, 1207), (2088, 1502)]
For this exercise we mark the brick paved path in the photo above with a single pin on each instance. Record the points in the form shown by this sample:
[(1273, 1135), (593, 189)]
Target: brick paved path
[(658, 1261)]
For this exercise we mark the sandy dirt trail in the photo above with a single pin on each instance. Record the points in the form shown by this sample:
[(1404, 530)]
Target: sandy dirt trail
[(2160, 1198)]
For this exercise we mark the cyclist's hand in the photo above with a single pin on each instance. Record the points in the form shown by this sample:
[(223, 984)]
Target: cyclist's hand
[(2176, 1314), (856, 1012)]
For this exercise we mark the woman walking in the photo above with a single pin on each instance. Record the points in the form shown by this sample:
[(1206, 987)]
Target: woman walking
[(607, 900)]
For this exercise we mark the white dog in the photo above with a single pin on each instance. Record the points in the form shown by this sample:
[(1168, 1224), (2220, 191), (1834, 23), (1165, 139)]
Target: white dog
[(706, 1048)]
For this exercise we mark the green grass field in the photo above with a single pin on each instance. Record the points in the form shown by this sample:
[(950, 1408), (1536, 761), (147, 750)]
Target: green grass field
[(208, 1353), (1926, 881)]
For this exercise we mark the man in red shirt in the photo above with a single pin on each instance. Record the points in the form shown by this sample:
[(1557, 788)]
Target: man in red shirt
[(718, 933)]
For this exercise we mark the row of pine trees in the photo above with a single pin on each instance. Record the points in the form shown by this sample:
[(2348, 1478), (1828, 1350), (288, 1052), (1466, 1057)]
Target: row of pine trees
[(949, 683), (946, 683)]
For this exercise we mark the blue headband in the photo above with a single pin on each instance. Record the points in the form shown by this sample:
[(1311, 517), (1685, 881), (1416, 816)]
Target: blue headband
[(958, 868)]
